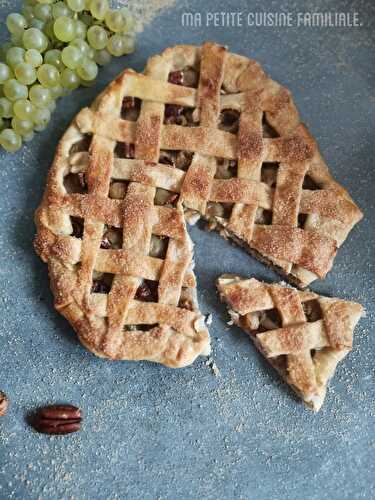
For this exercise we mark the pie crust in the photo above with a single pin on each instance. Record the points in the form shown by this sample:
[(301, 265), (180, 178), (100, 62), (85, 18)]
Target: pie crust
[(202, 133), (302, 334)]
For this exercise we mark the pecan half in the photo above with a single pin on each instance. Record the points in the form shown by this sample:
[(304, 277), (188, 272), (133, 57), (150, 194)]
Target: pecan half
[(4, 404), (58, 419)]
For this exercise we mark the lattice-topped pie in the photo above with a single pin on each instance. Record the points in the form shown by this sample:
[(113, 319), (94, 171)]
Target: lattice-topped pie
[(210, 129), (202, 133), (303, 335)]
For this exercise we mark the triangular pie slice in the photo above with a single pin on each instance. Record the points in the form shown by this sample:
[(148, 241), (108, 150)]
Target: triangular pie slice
[(303, 335)]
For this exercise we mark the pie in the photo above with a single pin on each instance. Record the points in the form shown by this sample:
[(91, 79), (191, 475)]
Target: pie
[(201, 133), (252, 168), (302, 334)]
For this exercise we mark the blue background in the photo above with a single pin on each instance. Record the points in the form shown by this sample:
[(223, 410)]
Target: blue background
[(155, 433)]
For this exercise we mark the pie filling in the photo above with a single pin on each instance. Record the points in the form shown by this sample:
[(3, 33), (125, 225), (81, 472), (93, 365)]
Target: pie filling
[(258, 322)]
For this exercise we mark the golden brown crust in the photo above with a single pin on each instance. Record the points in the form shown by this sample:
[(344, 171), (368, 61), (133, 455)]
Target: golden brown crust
[(305, 347)]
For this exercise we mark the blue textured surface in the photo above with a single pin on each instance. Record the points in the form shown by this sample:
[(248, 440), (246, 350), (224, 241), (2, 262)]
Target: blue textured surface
[(150, 432)]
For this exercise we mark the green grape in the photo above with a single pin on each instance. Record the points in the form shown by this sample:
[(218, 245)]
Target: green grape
[(64, 29), (22, 127), (81, 29), (46, 1), (102, 57), (87, 83), (14, 90), (37, 23), (87, 4), (87, 70), (129, 44), (15, 55), (16, 23), (76, 5), (69, 79), (5, 72), (39, 96), (23, 109), (129, 20), (4, 50), (90, 53), (16, 39), (60, 9), (9, 140), (82, 45), (115, 45), (43, 11), (48, 30), (99, 8), (71, 56), (53, 57), (33, 57), (28, 12), (6, 108), (28, 137), (42, 116), (25, 73), (97, 37), (56, 91), (115, 20), (51, 106), (33, 38), (2, 124), (39, 128), (48, 75)]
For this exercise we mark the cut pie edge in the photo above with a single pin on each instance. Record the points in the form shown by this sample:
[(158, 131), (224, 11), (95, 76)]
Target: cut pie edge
[(305, 353)]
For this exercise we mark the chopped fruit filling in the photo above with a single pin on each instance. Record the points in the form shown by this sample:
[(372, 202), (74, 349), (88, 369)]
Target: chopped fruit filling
[(226, 169), (312, 310), (117, 190), (77, 225), (75, 183), (147, 291), (158, 246), (125, 150), (229, 120), (112, 239), (102, 282)]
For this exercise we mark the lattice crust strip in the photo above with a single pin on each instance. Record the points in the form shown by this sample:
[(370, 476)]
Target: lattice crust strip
[(303, 335), (202, 132)]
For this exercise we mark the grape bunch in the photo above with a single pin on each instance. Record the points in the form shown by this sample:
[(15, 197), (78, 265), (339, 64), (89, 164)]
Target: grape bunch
[(54, 47)]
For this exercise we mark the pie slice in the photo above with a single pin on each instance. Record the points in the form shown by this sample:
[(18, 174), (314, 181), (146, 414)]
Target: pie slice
[(303, 335)]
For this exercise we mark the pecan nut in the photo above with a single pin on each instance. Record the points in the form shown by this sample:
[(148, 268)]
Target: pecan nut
[(58, 419), (4, 404)]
